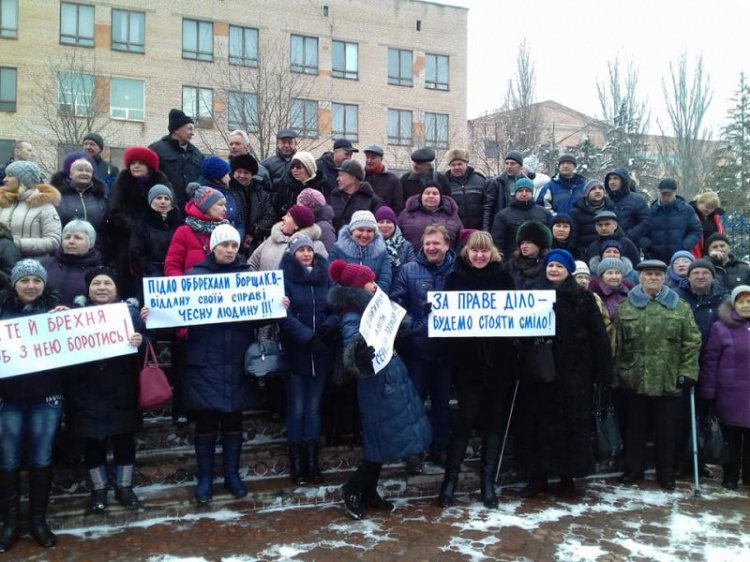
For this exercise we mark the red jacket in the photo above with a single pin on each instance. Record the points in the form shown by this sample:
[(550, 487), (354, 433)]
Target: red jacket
[(188, 247)]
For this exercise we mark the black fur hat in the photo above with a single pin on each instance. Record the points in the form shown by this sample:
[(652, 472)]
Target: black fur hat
[(536, 233)]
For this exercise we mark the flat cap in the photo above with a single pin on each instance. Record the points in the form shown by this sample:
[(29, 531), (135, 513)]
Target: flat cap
[(286, 134), (605, 215), (374, 149), (346, 144), (423, 155), (652, 264)]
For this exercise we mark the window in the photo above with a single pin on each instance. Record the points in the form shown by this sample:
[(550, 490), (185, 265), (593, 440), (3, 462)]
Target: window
[(6, 149), (76, 24), (242, 109), (400, 67), (436, 130), (243, 46), (9, 18), (436, 72), (344, 121), (399, 127), (126, 99), (7, 89), (198, 103), (197, 40), (303, 54), (128, 31), (75, 94), (303, 117), (492, 149), (345, 60)]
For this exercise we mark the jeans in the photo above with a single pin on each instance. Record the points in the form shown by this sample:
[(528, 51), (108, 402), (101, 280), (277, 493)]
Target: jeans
[(40, 420), (304, 394), (434, 378)]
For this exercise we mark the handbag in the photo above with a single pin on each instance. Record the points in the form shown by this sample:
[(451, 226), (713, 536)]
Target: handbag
[(710, 439), (153, 387), (537, 361), (265, 357), (608, 442)]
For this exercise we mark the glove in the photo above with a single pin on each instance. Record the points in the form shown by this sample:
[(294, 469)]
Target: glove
[(318, 346), (327, 333), (686, 382), (364, 353), (426, 308)]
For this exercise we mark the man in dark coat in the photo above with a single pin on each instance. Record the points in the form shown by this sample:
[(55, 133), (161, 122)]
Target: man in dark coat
[(499, 188), (730, 271), (179, 159), (239, 144), (278, 163), (562, 191), (93, 145), (468, 188), (586, 209), (631, 208), (423, 171), (352, 194), (330, 162), (386, 185), (522, 208), (255, 203), (608, 228)]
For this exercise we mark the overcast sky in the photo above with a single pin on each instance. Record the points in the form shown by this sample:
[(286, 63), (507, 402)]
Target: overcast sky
[(572, 41)]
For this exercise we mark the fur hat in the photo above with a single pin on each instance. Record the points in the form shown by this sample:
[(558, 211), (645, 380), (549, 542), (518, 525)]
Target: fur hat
[(563, 257), (214, 167), (224, 233), (142, 154), (682, 254), (307, 160), (302, 216), (311, 198), (244, 161), (350, 274), (159, 189), (610, 263), (457, 154), (177, 119), (72, 157), (523, 183), (704, 263), (300, 241), (385, 213), (536, 233), (203, 196), (739, 290), (97, 138), (516, 156), (363, 219), (92, 274), (581, 267), (27, 267), (26, 172)]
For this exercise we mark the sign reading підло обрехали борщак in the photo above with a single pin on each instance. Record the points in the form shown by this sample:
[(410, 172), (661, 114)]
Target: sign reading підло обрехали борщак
[(191, 300), (465, 314)]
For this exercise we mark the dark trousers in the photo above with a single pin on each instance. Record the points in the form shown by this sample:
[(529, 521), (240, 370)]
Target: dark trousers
[(123, 450), (208, 422), (659, 413), (737, 440), (433, 377), (482, 406)]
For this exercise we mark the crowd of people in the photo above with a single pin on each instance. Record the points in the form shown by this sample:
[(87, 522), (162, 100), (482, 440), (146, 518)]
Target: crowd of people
[(650, 301)]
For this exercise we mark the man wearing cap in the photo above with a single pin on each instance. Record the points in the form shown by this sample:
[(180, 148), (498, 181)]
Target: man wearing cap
[(631, 208), (468, 188), (331, 161), (238, 143), (255, 203), (674, 224), (657, 356), (730, 271), (93, 145), (606, 224), (584, 211), (499, 188), (278, 163), (562, 191), (352, 194), (423, 171), (386, 185), (522, 208), (179, 159), (22, 150)]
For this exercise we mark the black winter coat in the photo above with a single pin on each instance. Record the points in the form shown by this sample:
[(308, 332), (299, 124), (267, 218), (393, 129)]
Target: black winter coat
[(674, 227), (387, 186), (497, 198), (583, 214), (9, 255), (345, 205), (633, 214), (289, 188), (469, 192), (256, 206), (178, 165), (90, 205), (413, 184), (629, 249), (733, 273), (527, 273), (66, 272), (149, 242), (508, 220), (277, 166), (329, 171)]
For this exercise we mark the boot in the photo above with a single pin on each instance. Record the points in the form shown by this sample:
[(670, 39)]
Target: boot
[(352, 501), (10, 506), (456, 453), (313, 469), (537, 485), (568, 488), (124, 487), (231, 444), (40, 482), (370, 495), (98, 478), (205, 453), (295, 465), (490, 454)]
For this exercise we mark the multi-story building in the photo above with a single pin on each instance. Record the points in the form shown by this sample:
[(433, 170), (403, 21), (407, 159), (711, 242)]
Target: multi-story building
[(391, 72)]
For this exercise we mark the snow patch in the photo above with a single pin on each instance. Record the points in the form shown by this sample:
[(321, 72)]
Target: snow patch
[(575, 551), (474, 549)]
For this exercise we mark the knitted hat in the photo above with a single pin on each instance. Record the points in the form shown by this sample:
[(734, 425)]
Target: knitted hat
[(25, 171), (350, 274), (177, 119), (203, 196), (611, 243), (682, 254), (385, 213), (142, 154), (516, 156), (667, 184), (307, 160), (464, 235), (652, 264), (224, 233), (302, 216), (581, 267), (72, 157), (567, 157), (457, 154), (531, 163), (92, 274), (591, 184), (214, 167), (433, 183), (739, 290), (159, 189), (561, 217), (300, 241), (716, 237), (523, 183), (95, 137), (244, 161), (352, 167), (563, 257), (536, 233), (610, 263), (363, 219), (702, 263), (311, 198), (27, 267)]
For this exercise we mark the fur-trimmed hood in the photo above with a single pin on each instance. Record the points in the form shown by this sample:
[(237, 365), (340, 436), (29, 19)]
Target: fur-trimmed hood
[(351, 248), (728, 315), (313, 232), (348, 299), (41, 194), (666, 297)]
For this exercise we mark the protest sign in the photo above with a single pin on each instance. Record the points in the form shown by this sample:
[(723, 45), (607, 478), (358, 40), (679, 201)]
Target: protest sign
[(379, 324), (47, 341), (191, 300), (488, 314)]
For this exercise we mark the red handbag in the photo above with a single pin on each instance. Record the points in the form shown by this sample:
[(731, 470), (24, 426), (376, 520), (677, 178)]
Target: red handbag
[(153, 387)]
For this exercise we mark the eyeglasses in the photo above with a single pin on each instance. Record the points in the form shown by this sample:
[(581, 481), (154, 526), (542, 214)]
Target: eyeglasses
[(296, 165)]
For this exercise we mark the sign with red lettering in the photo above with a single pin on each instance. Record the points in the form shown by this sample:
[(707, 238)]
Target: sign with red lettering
[(57, 339)]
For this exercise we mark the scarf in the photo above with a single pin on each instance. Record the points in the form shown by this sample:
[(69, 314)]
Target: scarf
[(204, 227), (392, 246), (375, 169)]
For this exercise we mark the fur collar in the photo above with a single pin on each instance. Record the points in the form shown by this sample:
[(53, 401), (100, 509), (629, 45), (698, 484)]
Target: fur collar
[(348, 299), (296, 272), (48, 300), (41, 194), (351, 248), (447, 205), (313, 232), (666, 297), (154, 218), (729, 316)]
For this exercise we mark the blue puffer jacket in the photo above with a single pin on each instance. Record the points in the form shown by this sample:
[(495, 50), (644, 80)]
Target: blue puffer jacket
[(308, 310), (373, 255), (633, 214), (674, 227), (394, 424), (215, 376), (560, 194)]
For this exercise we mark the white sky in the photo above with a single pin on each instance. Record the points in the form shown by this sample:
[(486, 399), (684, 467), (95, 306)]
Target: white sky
[(572, 41)]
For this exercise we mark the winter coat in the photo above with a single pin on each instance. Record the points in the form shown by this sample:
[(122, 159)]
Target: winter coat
[(187, 247), (268, 255), (345, 205), (180, 166), (256, 206), (629, 249), (630, 274), (527, 273), (612, 297), (214, 377), (289, 188), (705, 307), (394, 424), (89, 205), (106, 172), (329, 172), (733, 273), (150, 240), (66, 272), (387, 186), (413, 184), (9, 255), (567, 245), (633, 213), (560, 194), (583, 214), (507, 221), (400, 251), (674, 227), (373, 255), (414, 219), (657, 342), (308, 310), (278, 166), (32, 219), (725, 369), (234, 212), (324, 219), (101, 397), (469, 192), (711, 224), (497, 198)]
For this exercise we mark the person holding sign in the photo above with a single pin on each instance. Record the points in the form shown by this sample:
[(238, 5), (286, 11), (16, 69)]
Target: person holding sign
[(32, 405), (102, 401), (483, 372)]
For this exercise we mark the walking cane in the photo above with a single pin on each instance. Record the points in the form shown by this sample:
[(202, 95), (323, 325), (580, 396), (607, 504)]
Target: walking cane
[(696, 485), (507, 430)]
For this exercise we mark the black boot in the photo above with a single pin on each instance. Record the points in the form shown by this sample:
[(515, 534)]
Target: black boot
[(231, 444), (313, 468), (40, 482), (370, 495), (537, 485), (205, 453), (456, 453), (296, 475), (490, 455), (124, 487), (10, 498), (98, 478)]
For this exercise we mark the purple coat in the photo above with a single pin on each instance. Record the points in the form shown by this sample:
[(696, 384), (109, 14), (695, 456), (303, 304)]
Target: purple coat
[(610, 296), (725, 367), (414, 219)]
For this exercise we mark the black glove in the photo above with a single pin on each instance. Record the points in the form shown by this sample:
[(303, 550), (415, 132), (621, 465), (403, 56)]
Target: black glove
[(364, 353), (426, 308), (318, 346), (686, 382), (327, 333)]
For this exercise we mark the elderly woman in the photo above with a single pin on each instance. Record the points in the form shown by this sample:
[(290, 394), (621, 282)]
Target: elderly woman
[(677, 272), (610, 283), (399, 249), (430, 207), (102, 401), (83, 196), (316, 202), (612, 248), (303, 173), (29, 416)]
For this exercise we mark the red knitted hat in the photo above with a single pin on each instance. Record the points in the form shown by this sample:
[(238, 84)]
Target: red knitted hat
[(303, 217), (350, 274), (142, 154)]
